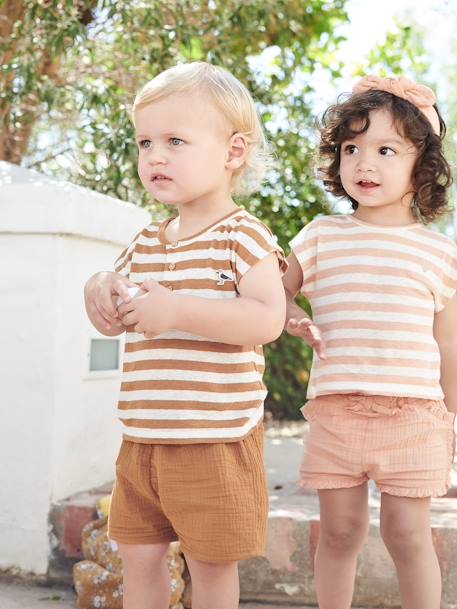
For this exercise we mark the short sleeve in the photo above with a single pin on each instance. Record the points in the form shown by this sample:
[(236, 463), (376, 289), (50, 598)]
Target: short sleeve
[(445, 284), (123, 262), (304, 246), (253, 241)]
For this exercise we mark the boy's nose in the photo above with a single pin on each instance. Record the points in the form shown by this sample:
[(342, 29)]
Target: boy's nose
[(157, 156)]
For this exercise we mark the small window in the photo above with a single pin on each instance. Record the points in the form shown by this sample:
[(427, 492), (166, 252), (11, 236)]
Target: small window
[(104, 354)]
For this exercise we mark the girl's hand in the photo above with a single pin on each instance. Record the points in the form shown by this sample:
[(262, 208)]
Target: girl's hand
[(306, 329), (151, 313)]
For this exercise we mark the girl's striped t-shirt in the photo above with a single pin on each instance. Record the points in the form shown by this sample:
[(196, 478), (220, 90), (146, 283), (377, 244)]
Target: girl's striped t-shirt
[(374, 291), (183, 388)]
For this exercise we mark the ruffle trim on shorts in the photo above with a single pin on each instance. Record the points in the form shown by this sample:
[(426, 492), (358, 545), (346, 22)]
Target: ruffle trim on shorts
[(416, 493), (330, 485)]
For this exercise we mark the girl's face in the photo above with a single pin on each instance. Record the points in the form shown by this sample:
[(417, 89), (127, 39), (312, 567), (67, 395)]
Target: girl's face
[(376, 170)]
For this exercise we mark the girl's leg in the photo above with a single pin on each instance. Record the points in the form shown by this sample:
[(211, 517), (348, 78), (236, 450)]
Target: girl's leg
[(406, 531), (146, 576), (344, 522), (214, 586)]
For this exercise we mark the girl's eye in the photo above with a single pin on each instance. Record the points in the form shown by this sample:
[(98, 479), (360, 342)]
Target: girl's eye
[(386, 151), (175, 141), (350, 149), (145, 144)]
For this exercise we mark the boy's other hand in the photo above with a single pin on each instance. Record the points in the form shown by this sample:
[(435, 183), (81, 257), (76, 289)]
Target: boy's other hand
[(151, 313), (306, 329), (102, 292)]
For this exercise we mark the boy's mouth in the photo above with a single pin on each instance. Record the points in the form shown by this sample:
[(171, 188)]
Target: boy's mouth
[(159, 177)]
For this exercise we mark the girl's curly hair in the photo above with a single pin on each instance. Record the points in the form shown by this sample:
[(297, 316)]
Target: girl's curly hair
[(431, 173)]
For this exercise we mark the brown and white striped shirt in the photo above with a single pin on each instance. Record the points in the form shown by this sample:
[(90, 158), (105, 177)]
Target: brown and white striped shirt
[(374, 291), (183, 388)]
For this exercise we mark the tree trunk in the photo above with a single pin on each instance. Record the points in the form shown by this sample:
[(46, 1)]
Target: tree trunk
[(14, 139)]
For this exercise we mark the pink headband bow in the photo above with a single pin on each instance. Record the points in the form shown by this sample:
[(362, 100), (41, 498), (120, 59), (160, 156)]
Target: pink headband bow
[(419, 95)]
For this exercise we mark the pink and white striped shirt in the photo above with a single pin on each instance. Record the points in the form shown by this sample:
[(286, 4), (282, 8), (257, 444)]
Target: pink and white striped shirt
[(374, 291)]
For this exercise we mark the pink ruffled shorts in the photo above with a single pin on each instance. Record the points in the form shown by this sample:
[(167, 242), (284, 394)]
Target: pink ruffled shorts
[(406, 445)]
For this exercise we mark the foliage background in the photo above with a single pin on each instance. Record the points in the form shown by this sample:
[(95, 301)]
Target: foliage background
[(70, 70)]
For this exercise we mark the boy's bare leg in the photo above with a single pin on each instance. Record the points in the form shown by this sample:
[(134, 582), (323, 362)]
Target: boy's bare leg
[(406, 531), (214, 586), (344, 521), (146, 576)]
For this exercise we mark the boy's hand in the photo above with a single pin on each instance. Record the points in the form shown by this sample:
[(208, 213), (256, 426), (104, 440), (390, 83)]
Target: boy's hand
[(152, 313), (306, 329), (101, 293)]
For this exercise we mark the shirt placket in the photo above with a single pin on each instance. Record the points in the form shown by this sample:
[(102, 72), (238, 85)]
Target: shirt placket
[(170, 265)]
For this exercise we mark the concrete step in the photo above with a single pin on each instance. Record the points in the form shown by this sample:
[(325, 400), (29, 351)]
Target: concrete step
[(285, 576)]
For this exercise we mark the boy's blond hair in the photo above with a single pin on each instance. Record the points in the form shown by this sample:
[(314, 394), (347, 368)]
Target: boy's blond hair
[(232, 98)]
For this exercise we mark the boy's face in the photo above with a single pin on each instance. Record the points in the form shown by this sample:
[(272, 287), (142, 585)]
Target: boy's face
[(184, 148), (376, 166)]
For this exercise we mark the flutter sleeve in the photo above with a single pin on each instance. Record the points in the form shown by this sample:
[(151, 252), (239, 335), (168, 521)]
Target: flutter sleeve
[(253, 241), (123, 262), (445, 284), (304, 246)]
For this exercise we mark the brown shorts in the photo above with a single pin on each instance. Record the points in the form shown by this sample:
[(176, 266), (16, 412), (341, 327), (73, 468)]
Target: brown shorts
[(406, 445), (212, 497)]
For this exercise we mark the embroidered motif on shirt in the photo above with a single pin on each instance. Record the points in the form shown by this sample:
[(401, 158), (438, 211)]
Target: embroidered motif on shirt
[(222, 277)]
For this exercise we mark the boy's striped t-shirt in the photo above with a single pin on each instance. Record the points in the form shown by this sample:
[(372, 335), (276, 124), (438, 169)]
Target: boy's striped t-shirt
[(183, 388), (374, 291)]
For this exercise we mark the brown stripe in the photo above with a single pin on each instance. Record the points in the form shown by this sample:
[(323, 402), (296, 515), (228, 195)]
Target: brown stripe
[(185, 344), (382, 344), (167, 364), (381, 361), (188, 405), (392, 238), (387, 307), (370, 288), (362, 324), (173, 385), (376, 379), (356, 269), (119, 265), (150, 232)]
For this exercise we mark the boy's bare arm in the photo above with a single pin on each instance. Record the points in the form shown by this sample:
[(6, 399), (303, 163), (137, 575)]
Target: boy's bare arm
[(445, 331), (100, 295), (255, 317), (298, 323)]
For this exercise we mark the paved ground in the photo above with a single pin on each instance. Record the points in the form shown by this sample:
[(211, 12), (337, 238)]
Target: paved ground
[(283, 453), (17, 595)]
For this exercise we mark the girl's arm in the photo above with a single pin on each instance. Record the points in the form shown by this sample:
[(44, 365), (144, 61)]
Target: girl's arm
[(298, 323), (445, 331)]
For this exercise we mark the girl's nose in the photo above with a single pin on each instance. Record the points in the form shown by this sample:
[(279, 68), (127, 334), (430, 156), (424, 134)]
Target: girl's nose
[(365, 163)]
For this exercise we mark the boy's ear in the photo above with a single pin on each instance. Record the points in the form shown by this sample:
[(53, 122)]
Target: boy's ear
[(237, 151)]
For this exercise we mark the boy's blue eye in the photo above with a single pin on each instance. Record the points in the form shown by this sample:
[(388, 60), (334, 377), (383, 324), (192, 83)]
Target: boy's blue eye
[(145, 144), (176, 141), (386, 151)]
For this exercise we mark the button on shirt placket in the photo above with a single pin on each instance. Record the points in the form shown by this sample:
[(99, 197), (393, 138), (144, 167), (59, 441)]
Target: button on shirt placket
[(169, 266)]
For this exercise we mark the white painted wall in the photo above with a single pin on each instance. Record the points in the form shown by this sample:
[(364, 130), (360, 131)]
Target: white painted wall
[(58, 431)]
